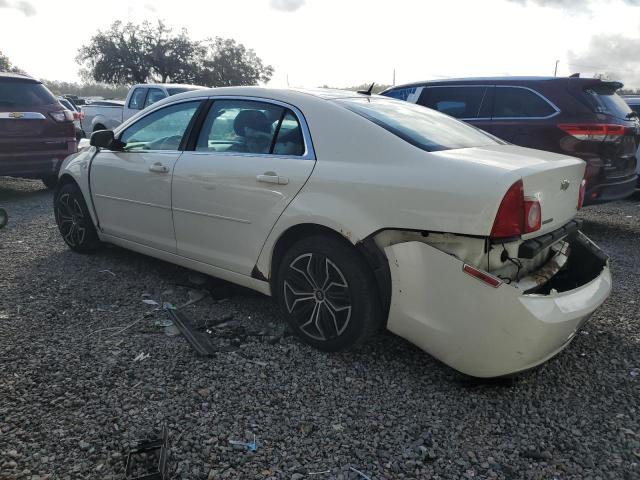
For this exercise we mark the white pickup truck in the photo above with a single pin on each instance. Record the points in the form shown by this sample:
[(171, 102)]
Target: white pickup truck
[(108, 114)]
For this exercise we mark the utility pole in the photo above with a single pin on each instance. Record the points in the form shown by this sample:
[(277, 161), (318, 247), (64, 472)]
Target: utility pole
[(555, 72)]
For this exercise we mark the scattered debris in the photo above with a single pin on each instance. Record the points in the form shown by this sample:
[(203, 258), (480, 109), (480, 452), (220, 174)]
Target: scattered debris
[(200, 342), (249, 446), (150, 301), (162, 322), (141, 356), (171, 331), (108, 271), (360, 473), (158, 448)]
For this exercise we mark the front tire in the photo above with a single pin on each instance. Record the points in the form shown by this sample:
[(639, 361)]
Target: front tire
[(74, 221), (328, 294)]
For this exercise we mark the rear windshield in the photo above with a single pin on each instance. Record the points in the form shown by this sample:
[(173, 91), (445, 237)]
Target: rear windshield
[(25, 94), (420, 126), (604, 99), (177, 90)]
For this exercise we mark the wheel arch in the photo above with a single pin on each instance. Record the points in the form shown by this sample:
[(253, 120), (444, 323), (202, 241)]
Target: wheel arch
[(373, 255)]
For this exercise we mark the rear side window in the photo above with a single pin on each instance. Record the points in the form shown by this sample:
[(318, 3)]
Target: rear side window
[(604, 99), (24, 94), (422, 127), (250, 127), (459, 102), (515, 102)]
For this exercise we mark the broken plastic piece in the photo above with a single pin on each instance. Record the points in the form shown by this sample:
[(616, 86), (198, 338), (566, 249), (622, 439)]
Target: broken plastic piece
[(149, 301), (199, 341), (145, 447), (250, 446)]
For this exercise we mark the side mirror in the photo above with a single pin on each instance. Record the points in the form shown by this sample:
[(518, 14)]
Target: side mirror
[(4, 218), (105, 139)]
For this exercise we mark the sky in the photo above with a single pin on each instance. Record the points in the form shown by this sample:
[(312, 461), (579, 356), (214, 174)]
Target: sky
[(342, 43)]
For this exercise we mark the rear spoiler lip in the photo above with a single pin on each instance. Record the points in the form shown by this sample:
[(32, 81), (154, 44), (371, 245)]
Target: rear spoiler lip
[(582, 83)]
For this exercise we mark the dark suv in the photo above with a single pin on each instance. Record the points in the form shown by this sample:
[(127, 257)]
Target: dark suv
[(581, 117), (36, 132)]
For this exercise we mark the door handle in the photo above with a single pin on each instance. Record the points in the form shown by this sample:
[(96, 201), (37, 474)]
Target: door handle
[(158, 168), (271, 177)]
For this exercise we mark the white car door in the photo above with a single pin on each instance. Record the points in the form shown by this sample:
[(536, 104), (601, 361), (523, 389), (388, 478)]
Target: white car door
[(250, 160), (131, 186)]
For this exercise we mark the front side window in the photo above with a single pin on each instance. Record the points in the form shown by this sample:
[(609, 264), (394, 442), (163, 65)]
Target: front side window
[(422, 127), (459, 102), (250, 127), (160, 130), (154, 95), (137, 99), (514, 102)]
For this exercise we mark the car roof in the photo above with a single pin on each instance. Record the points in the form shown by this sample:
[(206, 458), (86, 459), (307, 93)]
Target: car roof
[(168, 85), (17, 76)]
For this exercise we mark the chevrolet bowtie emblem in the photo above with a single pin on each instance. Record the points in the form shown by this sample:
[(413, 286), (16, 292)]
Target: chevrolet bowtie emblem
[(564, 184), (15, 115)]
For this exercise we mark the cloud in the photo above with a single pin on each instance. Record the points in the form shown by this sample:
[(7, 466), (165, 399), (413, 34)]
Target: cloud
[(21, 5), (577, 6), (614, 55), (150, 7), (289, 5)]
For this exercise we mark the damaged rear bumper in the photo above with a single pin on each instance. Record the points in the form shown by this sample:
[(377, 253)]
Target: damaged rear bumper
[(484, 331)]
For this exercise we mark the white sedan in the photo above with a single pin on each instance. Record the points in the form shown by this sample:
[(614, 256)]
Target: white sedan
[(356, 213)]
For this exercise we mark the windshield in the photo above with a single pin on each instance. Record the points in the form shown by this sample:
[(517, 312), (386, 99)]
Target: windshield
[(420, 126), (25, 94)]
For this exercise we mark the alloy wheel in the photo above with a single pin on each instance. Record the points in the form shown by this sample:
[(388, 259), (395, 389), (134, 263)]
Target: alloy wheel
[(317, 295), (70, 219)]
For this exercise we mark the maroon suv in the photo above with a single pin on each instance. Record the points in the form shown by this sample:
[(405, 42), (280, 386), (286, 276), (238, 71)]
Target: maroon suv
[(581, 117), (36, 132)]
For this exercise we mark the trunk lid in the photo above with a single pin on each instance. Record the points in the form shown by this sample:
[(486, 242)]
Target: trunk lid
[(551, 178)]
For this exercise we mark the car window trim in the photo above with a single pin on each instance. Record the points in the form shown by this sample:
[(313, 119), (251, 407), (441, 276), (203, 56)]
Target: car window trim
[(549, 102), (468, 119), (309, 151), (160, 107)]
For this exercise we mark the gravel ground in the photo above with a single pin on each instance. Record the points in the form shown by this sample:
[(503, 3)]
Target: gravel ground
[(75, 392)]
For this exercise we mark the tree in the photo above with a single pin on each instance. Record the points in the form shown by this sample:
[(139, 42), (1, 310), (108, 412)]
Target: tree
[(127, 54), (228, 63), (6, 66)]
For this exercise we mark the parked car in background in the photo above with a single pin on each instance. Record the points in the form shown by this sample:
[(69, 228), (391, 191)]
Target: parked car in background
[(77, 116), (36, 131), (109, 114), (581, 117), (634, 103), (355, 212)]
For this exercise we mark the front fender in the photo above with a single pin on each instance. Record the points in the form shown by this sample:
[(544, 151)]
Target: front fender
[(77, 167)]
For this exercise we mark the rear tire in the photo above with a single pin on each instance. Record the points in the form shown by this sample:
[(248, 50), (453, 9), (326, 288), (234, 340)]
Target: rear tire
[(328, 293), (51, 182), (74, 220)]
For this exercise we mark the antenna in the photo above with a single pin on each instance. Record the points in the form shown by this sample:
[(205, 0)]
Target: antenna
[(367, 92)]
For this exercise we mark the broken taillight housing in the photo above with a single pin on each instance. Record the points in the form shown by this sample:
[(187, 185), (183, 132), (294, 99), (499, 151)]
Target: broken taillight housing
[(516, 215)]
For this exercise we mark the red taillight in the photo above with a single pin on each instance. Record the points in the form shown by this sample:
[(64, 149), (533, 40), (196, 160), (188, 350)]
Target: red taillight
[(509, 219), (516, 216), (583, 187), (593, 131), (480, 275)]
